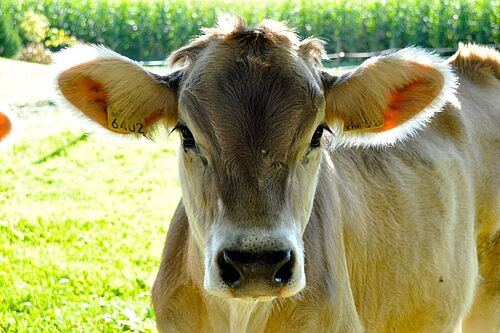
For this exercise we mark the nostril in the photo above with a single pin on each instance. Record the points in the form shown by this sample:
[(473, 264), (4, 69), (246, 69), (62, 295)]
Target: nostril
[(285, 271), (277, 258), (228, 273), (275, 267)]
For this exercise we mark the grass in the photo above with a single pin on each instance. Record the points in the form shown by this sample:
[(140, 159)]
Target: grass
[(82, 222)]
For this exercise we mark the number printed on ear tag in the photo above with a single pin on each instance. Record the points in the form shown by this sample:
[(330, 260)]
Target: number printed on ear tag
[(117, 124), (366, 124)]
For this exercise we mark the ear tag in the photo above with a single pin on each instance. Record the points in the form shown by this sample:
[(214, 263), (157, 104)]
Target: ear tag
[(117, 124), (364, 124)]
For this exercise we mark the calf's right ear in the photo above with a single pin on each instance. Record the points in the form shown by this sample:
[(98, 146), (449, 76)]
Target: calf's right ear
[(116, 92)]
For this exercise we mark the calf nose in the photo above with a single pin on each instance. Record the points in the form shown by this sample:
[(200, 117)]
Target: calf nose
[(273, 268)]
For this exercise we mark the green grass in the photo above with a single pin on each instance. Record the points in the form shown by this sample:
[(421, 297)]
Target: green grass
[(82, 224)]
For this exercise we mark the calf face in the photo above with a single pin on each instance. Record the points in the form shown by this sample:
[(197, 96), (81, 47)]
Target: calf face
[(251, 120), (251, 108)]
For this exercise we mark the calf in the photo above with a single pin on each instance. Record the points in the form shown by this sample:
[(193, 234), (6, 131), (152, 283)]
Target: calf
[(313, 203)]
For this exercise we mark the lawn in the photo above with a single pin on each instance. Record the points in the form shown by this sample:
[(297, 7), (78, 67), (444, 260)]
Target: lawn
[(82, 218)]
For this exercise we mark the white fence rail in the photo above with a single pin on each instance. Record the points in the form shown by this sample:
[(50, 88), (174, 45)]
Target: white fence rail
[(341, 55)]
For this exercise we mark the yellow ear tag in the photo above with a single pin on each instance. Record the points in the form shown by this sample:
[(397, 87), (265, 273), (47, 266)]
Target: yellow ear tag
[(117, 124), (364, 124)]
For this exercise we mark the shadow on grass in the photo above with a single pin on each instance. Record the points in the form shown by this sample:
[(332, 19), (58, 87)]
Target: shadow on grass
[(63, 149)]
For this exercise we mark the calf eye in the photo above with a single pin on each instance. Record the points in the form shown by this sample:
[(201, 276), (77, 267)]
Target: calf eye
[(316, 139), (187, 136)]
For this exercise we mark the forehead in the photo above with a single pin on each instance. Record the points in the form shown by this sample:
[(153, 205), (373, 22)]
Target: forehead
[(249, 94)]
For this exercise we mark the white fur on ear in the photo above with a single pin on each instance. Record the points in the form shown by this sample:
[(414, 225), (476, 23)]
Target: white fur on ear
[(410, 127)]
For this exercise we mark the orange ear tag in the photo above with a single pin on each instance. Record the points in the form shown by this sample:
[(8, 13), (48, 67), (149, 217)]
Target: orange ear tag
[(117, 124), (364, 124)]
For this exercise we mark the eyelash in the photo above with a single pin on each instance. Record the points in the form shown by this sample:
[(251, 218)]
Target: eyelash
[(318, 134), (186, 136)]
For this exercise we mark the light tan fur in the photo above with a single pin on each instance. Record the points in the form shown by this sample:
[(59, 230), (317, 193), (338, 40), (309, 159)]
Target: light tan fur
[(480, 93), (395, 228)]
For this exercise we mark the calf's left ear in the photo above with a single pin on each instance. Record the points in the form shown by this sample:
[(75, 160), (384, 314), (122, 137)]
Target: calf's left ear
[(115, 92), (387, 98)]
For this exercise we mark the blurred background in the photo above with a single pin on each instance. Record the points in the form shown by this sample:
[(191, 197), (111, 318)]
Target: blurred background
[(150, 30), (83, 217)]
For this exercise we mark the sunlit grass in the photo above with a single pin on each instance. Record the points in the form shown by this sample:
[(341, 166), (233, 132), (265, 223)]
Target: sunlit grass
[(82, 223)]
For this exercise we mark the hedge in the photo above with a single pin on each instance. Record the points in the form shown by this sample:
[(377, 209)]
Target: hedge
[(151, 29)]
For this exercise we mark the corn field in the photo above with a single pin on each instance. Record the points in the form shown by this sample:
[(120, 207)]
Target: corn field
[(151, 29)]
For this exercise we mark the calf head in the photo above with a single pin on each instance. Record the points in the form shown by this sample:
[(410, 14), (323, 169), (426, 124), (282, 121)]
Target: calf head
[(251, 107)]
